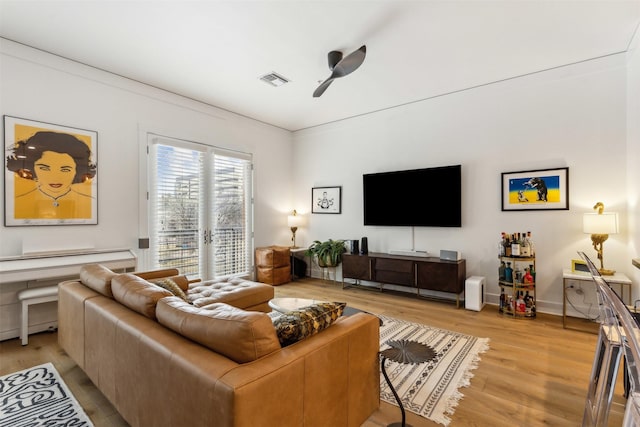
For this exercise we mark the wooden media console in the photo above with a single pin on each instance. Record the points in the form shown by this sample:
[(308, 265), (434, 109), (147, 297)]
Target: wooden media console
[(429, 273)]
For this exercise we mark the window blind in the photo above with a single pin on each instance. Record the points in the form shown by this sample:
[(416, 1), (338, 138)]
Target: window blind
[(200, 209)]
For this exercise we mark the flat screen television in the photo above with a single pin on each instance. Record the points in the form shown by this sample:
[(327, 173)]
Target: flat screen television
[(430, 197)]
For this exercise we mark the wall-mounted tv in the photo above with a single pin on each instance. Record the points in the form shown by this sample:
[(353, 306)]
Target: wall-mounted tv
[(430, 197)]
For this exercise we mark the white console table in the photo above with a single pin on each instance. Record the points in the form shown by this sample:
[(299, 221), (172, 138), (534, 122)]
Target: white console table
[(30, 271), (618, 280)]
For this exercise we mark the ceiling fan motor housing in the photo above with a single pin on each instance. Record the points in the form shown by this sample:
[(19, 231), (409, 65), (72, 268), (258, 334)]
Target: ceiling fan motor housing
[(334, 57)]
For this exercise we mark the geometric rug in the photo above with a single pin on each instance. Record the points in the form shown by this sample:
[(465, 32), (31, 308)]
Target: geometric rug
[(430, 389), (38, 397)]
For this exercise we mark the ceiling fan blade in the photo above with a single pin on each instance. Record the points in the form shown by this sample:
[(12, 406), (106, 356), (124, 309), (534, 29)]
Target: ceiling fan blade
[(323, 86), (350, 63), (343, 67)]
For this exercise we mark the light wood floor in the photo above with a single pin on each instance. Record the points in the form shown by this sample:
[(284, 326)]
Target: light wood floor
[(535, 372)]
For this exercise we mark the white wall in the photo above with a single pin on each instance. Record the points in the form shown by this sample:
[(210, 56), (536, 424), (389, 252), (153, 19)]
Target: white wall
[(633, 153), (573, 116), (42, 87)]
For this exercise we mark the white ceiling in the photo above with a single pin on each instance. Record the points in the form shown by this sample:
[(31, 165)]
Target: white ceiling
[(215, 51)]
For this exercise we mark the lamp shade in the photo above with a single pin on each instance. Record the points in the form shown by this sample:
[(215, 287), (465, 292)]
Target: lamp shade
[(604, 223), (295, 220)]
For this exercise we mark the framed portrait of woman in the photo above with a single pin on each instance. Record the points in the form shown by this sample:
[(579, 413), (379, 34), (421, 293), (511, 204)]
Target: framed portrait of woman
[(50, 174)]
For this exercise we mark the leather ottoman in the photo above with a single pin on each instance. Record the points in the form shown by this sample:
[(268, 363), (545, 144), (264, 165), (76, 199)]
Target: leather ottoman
[(273, 265)]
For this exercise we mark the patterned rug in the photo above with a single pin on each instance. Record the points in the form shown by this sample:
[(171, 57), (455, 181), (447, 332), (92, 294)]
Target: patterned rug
[(38, 397), (430, 389)]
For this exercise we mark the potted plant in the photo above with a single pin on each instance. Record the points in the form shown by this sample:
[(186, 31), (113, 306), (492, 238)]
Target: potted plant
[(327, 253)]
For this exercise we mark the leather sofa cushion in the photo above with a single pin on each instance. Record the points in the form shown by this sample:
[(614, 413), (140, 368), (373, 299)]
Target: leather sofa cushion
[(235, 291), (98, 278), (137, 294), (242, 336), (156, 274)]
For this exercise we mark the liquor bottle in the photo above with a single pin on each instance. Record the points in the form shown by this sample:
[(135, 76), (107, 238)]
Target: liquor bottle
[(501, 272), (503, 299), (515, 245), (532, 249), (518, 274), (520, 304), (528, 303), (525, 249), (532, 270), (508, 273), (507, 246), (528, 278), (501, 248)]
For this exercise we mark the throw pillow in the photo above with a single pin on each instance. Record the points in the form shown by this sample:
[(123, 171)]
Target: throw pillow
[(171, 286), (299, 324)]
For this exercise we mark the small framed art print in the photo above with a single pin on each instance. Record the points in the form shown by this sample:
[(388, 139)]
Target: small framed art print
[(326, 200)]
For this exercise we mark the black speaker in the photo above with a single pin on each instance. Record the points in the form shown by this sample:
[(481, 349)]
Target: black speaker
[(364, 246), (355, 247)]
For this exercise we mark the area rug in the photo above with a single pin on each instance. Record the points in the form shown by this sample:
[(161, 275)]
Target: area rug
[(430, 389), (39, 397)]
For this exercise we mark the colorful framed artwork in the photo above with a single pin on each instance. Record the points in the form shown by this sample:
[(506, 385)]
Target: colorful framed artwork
[(326, 200), (545, 189), (50, 174)]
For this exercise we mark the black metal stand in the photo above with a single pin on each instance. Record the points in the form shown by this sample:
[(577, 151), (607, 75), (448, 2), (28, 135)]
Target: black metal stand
[(395, 394), (404, 351)]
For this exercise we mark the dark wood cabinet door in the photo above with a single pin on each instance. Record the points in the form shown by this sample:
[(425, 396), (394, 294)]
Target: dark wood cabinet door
[(441, 276), (394, 271), (356, 267)]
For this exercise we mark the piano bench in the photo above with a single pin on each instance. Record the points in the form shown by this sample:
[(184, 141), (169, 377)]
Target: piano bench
[(29, 297)]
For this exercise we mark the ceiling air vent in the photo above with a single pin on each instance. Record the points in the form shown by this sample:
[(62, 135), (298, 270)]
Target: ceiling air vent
[(274, 79)]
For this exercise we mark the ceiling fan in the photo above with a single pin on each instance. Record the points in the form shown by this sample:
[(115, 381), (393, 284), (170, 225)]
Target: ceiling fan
[(341, 67)]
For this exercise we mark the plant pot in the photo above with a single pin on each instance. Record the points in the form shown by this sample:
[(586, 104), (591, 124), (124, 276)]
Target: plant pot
[(325, 262)]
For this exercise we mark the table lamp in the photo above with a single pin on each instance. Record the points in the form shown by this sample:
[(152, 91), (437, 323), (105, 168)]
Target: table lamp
[(600, 225), (294, 221)]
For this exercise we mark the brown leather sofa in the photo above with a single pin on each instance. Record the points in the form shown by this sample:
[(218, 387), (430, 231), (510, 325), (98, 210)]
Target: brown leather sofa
[(163, 361)]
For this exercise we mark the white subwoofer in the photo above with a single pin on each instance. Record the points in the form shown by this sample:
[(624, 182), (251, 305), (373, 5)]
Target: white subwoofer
[(474, 293)]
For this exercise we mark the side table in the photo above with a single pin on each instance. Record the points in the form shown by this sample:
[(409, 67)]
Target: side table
[(404, 351), (617, 280), (294, 272)]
